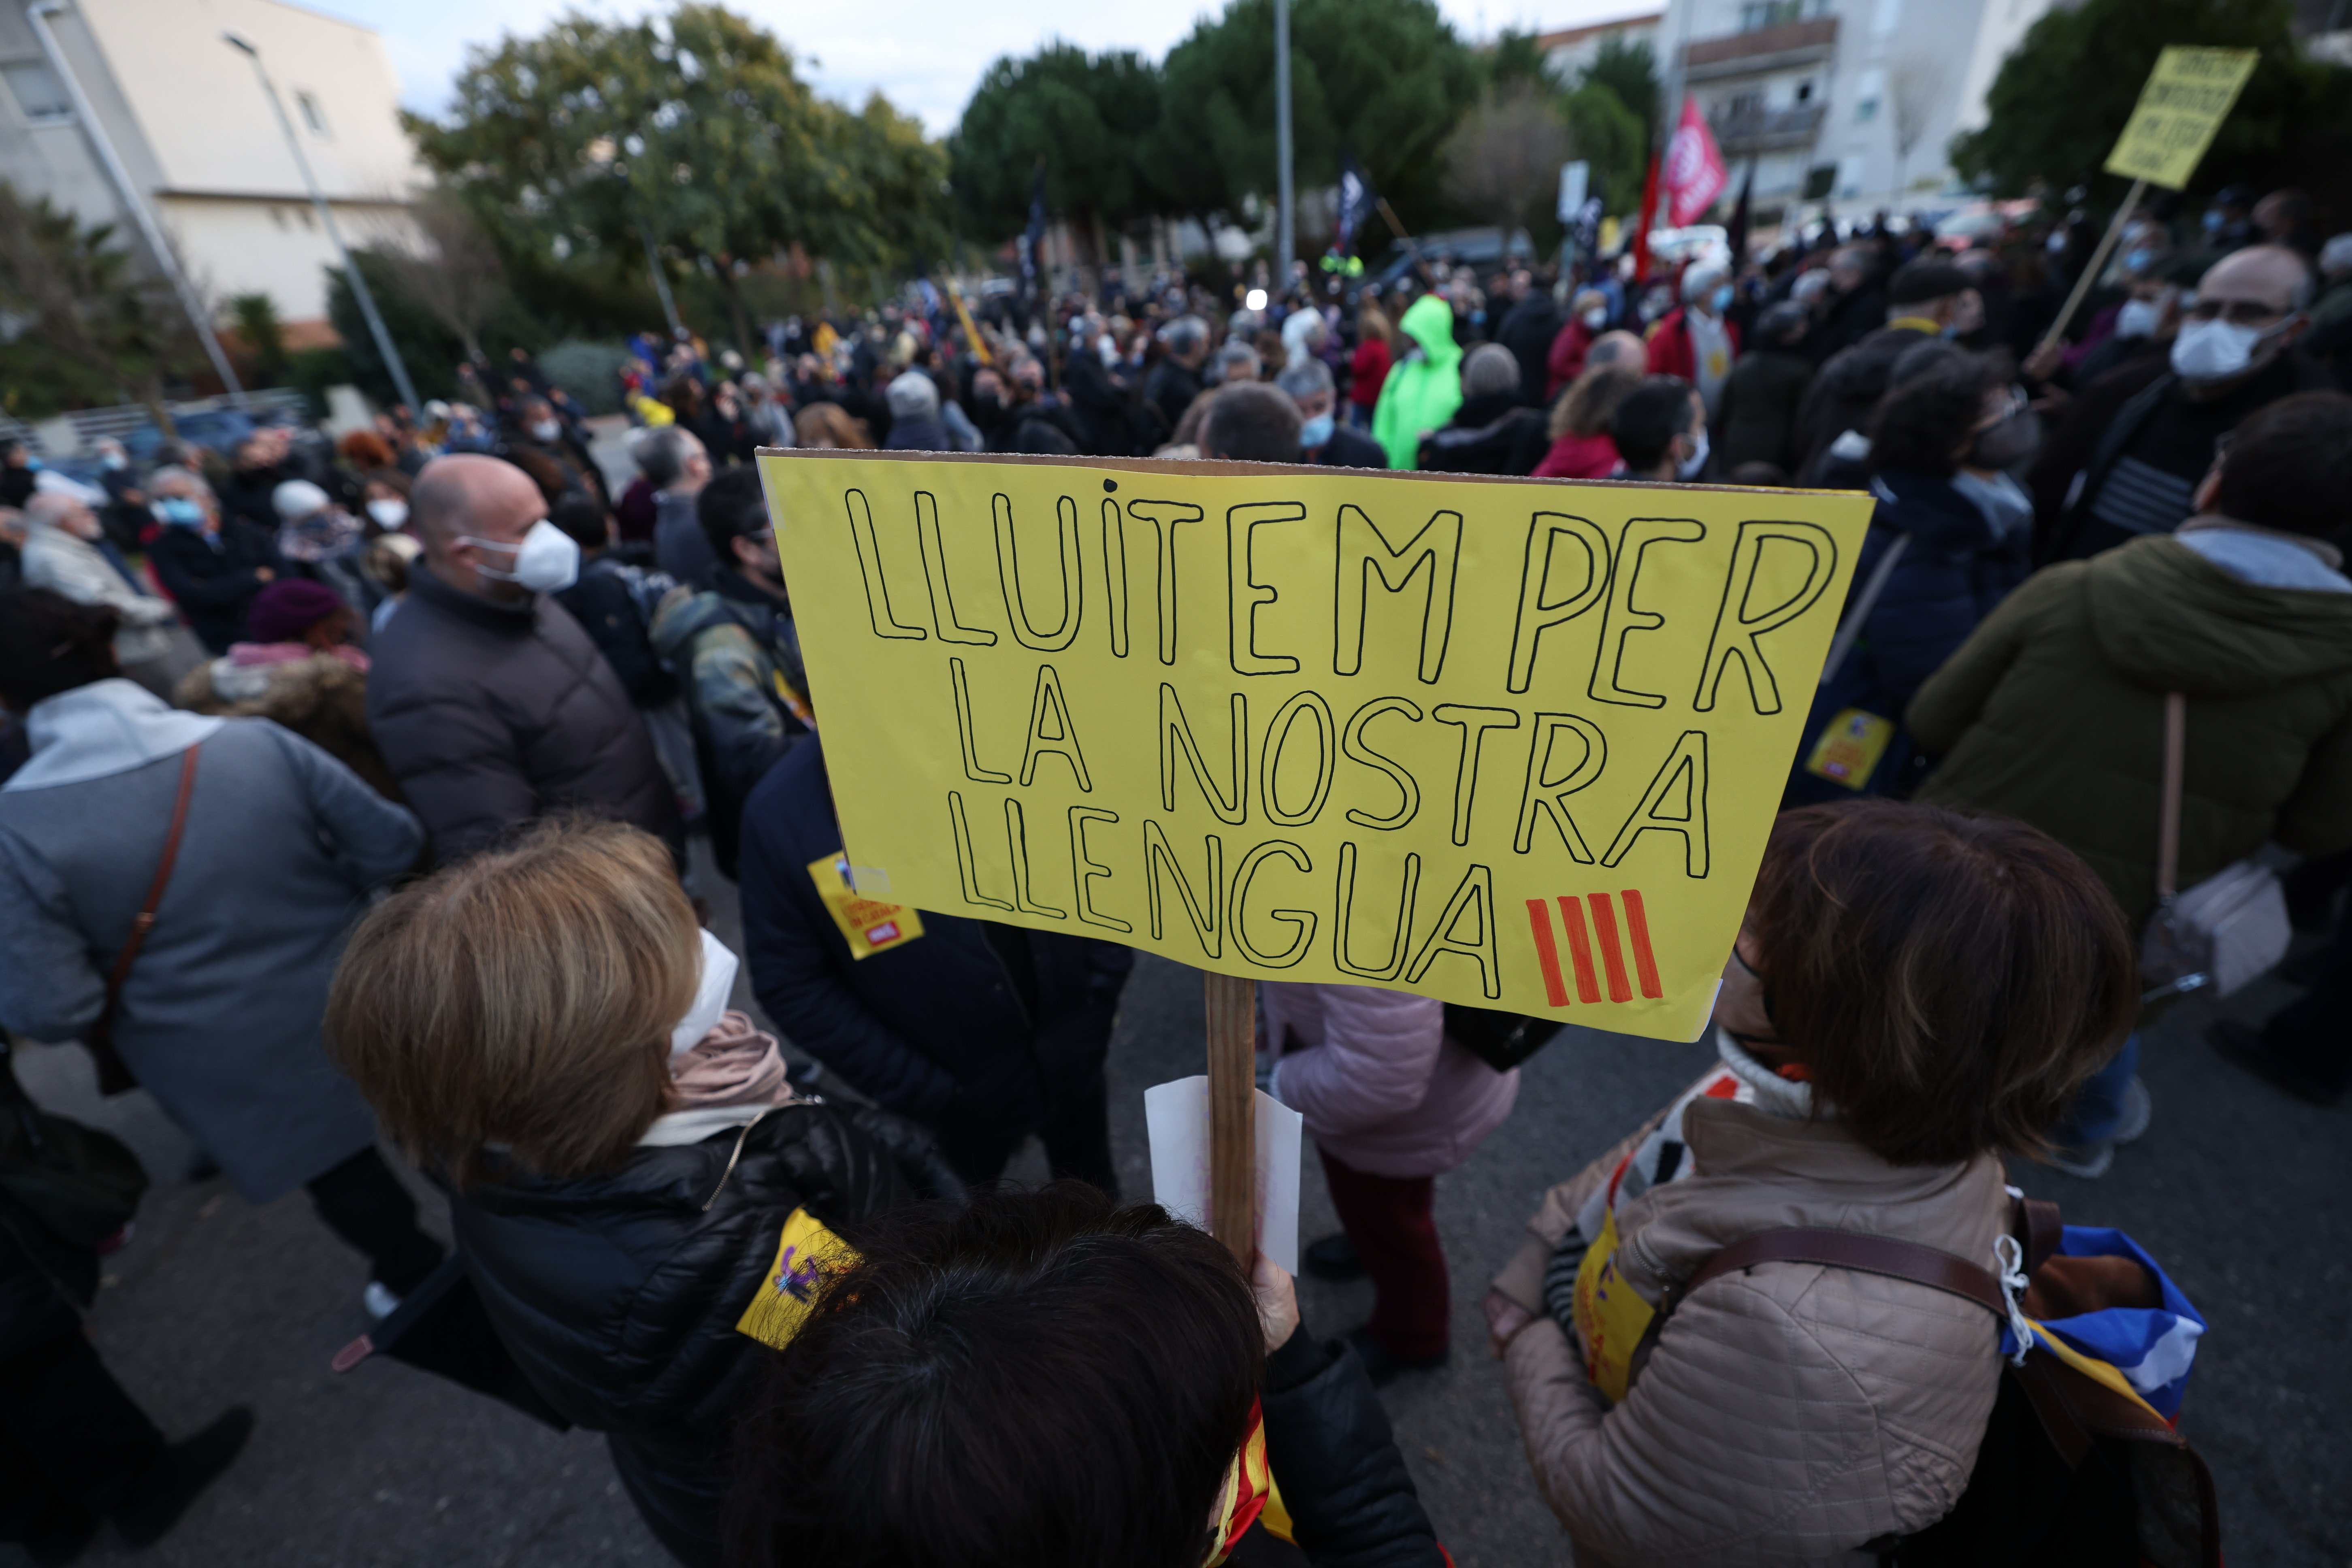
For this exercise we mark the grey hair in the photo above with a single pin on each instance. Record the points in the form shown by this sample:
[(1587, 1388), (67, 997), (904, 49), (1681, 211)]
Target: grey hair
[(1185, 334), (1236, 352), (1489, 368), (913, 395), (173, 473), (1304, 377), (661, 454)]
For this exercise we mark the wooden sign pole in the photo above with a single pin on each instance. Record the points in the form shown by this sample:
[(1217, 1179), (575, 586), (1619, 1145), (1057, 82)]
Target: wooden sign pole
[(1233, 1115)]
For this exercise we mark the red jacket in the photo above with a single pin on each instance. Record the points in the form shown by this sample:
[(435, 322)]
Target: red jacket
[(1367, 370), (1575, 456), (1566, 361), (1670, 346)]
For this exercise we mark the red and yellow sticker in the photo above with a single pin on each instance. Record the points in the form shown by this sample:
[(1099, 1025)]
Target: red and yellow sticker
[(868, 925)]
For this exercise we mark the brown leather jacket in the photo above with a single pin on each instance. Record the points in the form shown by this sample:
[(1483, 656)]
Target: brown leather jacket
[(1789, 1413)]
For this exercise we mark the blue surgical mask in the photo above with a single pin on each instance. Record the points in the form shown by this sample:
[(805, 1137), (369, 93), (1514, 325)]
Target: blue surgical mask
[(1315, 433), (2137, 260), (2212, 220), (1721, 298), (34, 465), (179, 511)]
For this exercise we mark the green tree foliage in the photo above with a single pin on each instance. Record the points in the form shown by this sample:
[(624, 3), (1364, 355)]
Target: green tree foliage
[(695, 125), (1517, 59), (1611, 137), (82, 324), (1630, 70), (2062, 97), (261, 336), (1083, 119), (1387, 79)]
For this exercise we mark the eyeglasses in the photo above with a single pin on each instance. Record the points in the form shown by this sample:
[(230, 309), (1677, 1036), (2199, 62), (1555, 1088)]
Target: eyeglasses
[(2237, 313)]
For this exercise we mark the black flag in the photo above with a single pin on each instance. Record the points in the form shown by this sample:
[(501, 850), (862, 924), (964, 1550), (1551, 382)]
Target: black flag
[(1738, 234), (1357, 200), (1032, 241)]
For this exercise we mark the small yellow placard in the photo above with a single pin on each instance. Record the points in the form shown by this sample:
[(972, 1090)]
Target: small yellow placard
[(2188, 96), (1610, 1316), (1848, 751), (805, 1255), (868, 925)]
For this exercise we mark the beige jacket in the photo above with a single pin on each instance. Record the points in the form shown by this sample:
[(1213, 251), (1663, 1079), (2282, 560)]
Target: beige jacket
[(1788, 1414)]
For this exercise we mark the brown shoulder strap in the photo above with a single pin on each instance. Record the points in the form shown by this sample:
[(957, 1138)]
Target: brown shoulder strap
[(1880, 1255), (2168, 829), (144, 921)]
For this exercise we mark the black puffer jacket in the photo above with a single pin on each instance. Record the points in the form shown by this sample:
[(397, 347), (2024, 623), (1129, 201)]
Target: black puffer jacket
[(618, 1295), (492, 714), (1351, 1501)]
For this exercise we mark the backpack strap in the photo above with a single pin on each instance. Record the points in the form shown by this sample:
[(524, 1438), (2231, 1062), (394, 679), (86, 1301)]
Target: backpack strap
[(114, 1075), (1880, 1255)]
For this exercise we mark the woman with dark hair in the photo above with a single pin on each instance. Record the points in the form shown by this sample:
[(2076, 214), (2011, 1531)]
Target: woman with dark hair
[(1960, 529), (1914, 994), (1046, 1379), (268, 845), (546, 1027)]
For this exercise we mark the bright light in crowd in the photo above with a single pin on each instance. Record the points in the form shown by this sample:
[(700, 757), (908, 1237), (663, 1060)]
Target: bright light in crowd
[(1255, 299)]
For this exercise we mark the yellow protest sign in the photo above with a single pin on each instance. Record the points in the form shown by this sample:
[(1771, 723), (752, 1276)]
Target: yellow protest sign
[(2188, 96), (1513, 743)]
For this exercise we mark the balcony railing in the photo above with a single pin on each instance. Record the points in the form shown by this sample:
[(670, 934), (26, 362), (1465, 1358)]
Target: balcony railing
[(1766, 130)]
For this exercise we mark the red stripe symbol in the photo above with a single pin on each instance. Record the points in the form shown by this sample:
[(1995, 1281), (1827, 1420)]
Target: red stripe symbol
[(1546, 955), (1571, 916), (1605, 925), (1637, 926)]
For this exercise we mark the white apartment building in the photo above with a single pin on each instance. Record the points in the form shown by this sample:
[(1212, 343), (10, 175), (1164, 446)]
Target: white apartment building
[(197, 137), (1854, 101), (1568, 51)]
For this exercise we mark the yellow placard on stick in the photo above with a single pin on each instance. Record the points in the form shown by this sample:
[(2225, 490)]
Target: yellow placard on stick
[(1513, 743), (2188, 96)]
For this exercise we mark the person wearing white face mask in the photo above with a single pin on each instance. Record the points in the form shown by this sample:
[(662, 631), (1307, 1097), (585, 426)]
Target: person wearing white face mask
[(2127, 461), (489, 702), (631, 1175)]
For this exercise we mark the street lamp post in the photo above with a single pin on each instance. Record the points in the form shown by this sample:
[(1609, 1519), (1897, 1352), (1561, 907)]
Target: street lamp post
[(384, 346), (1287, 237), (39, 15)]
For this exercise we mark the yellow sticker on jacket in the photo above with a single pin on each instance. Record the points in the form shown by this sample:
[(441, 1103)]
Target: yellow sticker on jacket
[(805, 1255), (868, 925), (1610, 1316), (1848, 749)]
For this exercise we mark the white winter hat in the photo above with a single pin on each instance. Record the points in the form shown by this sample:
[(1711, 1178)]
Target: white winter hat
[(299, 498)]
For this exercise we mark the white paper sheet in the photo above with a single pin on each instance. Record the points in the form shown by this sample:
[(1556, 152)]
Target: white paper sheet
[(1177, 1116)]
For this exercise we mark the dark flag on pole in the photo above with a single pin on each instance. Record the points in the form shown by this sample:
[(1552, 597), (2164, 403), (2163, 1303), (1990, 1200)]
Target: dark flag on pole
[(1356, 202), (1738, 235), (1033, 240)]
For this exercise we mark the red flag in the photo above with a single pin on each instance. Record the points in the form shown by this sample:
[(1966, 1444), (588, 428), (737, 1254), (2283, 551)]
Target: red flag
[(1695, 172), (1643, 220)]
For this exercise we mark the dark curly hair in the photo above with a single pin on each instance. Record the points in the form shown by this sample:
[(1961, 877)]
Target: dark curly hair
[(1922, 425)]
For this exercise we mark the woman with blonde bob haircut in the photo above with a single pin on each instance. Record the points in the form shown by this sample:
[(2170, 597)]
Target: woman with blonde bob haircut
[(1913, 993), (544, 1026)]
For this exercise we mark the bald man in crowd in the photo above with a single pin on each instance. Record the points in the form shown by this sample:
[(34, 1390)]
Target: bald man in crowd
[(2140, 439), (487, 699)]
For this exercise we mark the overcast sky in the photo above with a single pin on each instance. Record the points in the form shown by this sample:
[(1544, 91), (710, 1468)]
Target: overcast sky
[(926, 55)]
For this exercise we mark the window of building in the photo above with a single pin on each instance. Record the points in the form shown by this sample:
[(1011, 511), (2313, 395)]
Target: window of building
[(1868, 91), (36, 91), (1758, 13), (312, 115), (1805, 92)]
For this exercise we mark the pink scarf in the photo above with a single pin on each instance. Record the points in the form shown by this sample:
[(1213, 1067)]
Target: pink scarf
[(735, 1064), (247, 654)]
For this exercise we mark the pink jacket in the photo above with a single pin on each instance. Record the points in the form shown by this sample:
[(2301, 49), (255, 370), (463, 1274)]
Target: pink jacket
[(1382, 1088)]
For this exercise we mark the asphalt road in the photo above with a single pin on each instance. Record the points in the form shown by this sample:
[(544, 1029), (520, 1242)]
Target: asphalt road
[(2238, 1190)]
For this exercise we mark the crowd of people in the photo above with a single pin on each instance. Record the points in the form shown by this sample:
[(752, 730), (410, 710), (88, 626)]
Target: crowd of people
[(392, 750)]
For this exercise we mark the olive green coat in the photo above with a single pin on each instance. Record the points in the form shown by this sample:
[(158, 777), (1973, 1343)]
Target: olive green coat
[(2053, 712)]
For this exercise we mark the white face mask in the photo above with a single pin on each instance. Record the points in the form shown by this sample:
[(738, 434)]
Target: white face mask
[(2137, 318), (710, 993), (546, 562), (2215, 349), (1690, 467), (546, 430), (1595, 318), (388, 511)]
